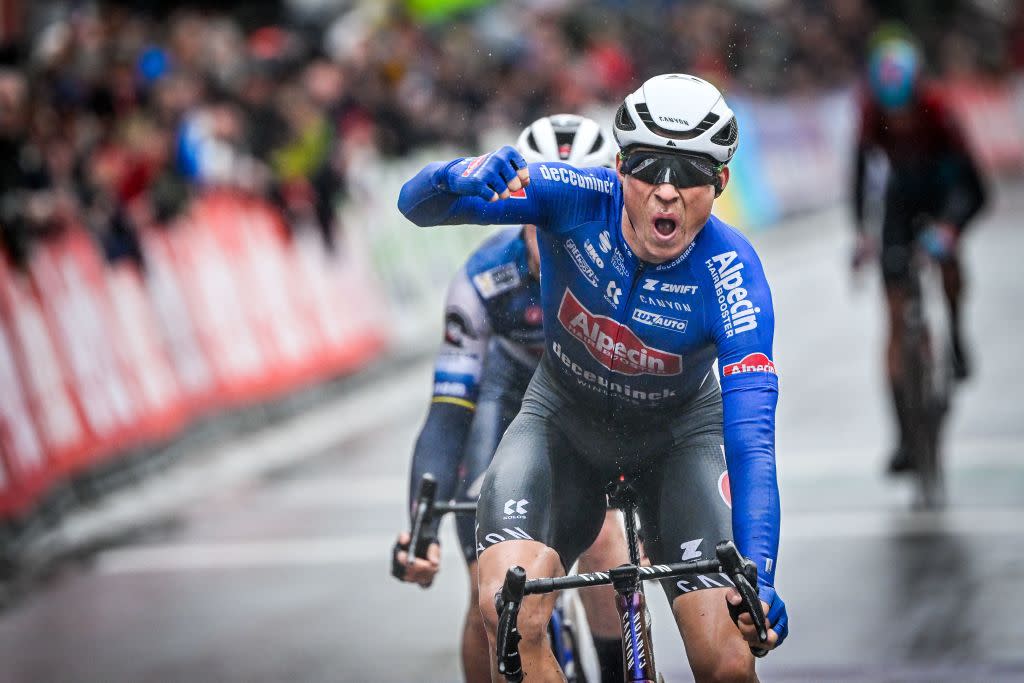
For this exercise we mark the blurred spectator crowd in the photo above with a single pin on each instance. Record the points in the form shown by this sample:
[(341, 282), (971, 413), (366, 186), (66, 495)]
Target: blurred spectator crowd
[(112, 115)]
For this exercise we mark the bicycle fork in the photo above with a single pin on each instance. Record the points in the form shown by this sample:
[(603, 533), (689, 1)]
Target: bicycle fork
[(637, 648)]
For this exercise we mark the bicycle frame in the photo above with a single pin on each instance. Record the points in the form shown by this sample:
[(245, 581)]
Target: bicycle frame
[(630, 601)]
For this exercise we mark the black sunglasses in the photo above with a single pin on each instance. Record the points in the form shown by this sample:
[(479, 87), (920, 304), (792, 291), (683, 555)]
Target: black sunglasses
[(678, 169)]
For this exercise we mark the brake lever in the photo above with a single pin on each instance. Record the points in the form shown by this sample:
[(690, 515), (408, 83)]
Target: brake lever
[(743, 573), (507, 603)]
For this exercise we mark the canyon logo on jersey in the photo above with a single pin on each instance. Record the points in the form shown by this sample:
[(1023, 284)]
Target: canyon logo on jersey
[(614, 345)]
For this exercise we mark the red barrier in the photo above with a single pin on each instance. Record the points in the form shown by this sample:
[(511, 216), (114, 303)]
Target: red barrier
[(143, 355), (23, 467), (49, 408), (69, 275), (95, 359)]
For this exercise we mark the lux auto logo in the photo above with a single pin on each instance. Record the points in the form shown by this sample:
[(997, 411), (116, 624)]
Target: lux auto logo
[(516, 507)]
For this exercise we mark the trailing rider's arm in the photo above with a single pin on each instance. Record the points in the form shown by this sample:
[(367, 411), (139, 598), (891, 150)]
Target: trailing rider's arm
[(457, 368), (967, 194)]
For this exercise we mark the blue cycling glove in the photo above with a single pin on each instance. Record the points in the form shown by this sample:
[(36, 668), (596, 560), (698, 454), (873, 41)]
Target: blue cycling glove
[(484, 176), (776, 615)]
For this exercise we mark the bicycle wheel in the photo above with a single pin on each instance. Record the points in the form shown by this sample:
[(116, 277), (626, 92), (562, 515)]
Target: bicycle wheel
[(924, 409), (917, 384), (571, 641)]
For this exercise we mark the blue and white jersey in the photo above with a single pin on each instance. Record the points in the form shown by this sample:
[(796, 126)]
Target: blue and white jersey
[(635, 341), (492, 297)]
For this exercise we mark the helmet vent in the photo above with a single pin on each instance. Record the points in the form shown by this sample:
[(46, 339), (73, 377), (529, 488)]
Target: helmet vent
[(727, 135), (709, 120), (623, 121), (531, 141), (598, 141)]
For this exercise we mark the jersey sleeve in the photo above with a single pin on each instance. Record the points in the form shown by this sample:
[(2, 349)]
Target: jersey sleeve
[(743, 327), (867, 138), (558, 198), (439, 447), (967, 193)]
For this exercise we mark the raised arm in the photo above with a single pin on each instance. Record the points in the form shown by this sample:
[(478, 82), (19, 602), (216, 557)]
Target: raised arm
[(489, 189)]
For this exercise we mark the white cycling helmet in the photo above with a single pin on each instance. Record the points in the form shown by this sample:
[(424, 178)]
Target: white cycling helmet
[(678, 113), (574, 139)]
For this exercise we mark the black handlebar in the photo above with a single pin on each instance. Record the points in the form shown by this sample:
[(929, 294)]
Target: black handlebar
[(741, 571), (425, 511)]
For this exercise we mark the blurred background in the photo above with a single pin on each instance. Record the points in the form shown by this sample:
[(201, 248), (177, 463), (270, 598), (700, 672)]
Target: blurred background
[(216, 329)]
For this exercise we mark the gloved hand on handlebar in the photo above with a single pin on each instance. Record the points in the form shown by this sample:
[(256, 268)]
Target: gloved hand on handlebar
[(775, 618), (423, 570), (492, 176)]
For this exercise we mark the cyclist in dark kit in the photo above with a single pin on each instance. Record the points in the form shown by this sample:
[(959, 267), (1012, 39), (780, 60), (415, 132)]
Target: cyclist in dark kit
[(642, 290), (934, 188)]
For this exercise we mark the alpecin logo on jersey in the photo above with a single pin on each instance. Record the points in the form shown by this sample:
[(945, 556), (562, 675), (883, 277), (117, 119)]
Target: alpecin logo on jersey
[(752, 362), (612, 344), (738, 313)]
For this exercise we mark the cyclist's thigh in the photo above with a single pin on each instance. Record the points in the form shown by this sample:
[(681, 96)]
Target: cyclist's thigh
[(902, 206), (684, 501), (538, 488)]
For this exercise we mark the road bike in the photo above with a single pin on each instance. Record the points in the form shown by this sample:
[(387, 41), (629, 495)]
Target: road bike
[(568, 630), (630, 601)]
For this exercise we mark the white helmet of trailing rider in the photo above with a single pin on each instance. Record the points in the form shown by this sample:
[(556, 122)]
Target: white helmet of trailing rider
[(571, 138), (678, 113)]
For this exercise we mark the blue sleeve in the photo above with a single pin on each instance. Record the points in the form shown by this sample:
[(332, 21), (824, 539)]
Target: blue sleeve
[(558, 198), (743, 329)]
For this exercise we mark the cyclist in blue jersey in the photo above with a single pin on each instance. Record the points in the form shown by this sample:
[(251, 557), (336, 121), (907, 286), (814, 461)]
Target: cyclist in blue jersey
[(643, 290), (493, 340)]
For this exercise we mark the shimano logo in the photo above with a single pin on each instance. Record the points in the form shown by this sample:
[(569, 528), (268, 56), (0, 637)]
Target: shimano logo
[(672, 120)]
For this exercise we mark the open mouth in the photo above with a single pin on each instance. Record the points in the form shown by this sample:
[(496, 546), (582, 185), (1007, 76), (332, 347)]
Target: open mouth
[(664, 226)]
